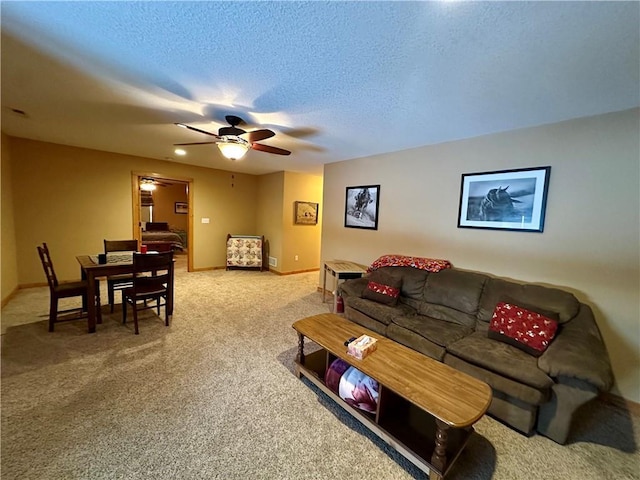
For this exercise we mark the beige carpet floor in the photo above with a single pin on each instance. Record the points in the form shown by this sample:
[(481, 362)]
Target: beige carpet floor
[(214, 396)]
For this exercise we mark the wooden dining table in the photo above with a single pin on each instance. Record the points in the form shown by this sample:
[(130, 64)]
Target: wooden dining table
[(92, 270)]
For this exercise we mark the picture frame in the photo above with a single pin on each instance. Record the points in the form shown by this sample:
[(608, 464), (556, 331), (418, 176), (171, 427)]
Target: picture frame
[(505, 199), (361, 207), (306, 213), (181, 207)]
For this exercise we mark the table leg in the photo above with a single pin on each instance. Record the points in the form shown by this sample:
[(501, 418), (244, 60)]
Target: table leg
[(300, 355), (91, 302), (170, 290), (83, 276), (439, 457), (324, 284), (336, 282)]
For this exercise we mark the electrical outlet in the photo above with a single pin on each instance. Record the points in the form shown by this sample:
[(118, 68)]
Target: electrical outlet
[(296, 258), (273, 262)]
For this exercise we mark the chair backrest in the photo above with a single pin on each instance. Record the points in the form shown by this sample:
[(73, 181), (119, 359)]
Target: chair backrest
[(120, 246), (47, 264), (156, 267)]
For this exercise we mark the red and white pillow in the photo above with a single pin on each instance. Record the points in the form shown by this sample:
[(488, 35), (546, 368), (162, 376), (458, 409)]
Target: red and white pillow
[(523, 328), (383, 288)]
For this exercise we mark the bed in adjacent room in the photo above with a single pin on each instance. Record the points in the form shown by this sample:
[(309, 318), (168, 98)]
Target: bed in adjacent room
[(159, 233)]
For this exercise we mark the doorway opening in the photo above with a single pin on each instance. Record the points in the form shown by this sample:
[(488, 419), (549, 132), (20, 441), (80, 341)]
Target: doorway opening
[(163, 214)]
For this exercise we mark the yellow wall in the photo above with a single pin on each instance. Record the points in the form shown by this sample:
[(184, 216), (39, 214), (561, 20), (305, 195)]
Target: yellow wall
[(300, 240), (8, 258), (277, 194), (269, 208), (591, 240), (73, 198)]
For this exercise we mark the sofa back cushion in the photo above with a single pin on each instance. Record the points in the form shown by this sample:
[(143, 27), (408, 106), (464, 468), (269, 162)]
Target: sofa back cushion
[(412, 280), (453, 295), (447, 314), (455, 289), (550, 300)]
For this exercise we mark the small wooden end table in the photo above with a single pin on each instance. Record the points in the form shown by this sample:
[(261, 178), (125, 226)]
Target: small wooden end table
[(340, 270)]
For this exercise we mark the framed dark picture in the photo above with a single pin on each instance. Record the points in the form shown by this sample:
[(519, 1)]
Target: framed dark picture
[(182, 207), (504, 200), (361, 207), (306, 213)]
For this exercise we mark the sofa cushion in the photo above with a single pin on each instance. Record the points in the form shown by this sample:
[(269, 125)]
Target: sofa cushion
[(525, 329), (383, 288), (534, 308), (447, 314), (512, 388), (353, 287), (415, 341), (378, 311), (412, 280), (455, 289), (501, 358), (549, 299), (437, 331), (365, 320)]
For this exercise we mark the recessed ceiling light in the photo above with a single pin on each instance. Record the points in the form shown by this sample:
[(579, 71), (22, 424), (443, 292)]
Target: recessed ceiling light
[(180, 151)]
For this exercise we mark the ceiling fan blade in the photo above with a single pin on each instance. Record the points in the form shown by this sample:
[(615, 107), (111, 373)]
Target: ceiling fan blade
[(194, 143), (269, 149), (196, 129), (258, 135), (225, 131)]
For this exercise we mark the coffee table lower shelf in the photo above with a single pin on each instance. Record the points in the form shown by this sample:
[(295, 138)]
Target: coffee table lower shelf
[(411, 431)]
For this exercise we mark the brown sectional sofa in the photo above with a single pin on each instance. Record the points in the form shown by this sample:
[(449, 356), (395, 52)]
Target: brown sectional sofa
[(446, 316)]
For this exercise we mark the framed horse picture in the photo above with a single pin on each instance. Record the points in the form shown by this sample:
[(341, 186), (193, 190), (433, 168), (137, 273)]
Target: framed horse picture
[(361, 207), (306, 213), (504, 200)]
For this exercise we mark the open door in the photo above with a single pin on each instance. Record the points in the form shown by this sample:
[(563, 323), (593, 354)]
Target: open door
[(172, 203)]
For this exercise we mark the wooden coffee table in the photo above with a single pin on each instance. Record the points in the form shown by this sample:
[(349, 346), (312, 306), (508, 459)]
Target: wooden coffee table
[(426, 409)]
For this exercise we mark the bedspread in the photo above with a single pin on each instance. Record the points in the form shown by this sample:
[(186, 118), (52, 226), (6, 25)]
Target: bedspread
[(149, 238)]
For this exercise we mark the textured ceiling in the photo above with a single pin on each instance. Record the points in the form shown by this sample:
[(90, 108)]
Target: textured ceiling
[(334, 80)]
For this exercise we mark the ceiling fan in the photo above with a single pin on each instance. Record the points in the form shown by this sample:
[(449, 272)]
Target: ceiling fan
[(148, 184), (234, 142)]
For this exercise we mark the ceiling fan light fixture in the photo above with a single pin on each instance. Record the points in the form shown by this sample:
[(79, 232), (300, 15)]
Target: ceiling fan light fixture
[(147, 185), (233, 148)]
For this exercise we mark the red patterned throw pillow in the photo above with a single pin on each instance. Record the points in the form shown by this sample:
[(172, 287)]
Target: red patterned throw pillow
[(383, 289), (527, 330)]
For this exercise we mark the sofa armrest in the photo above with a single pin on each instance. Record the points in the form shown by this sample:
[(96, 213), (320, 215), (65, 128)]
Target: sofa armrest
[(579, 352), (353, 287)]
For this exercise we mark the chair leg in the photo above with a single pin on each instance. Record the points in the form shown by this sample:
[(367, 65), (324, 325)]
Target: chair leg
[(98, 309), (166, 313), (124, 309), (111, 295), (53, 312), (135, 318)]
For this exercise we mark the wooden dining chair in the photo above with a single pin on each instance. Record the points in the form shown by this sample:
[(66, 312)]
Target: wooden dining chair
[(119, 282), (152, 280), (57, 290)]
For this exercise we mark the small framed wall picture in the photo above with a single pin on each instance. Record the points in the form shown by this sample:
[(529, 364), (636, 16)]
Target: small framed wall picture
[(306, 213), (361, 207), (504, 200), (182, 207)]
